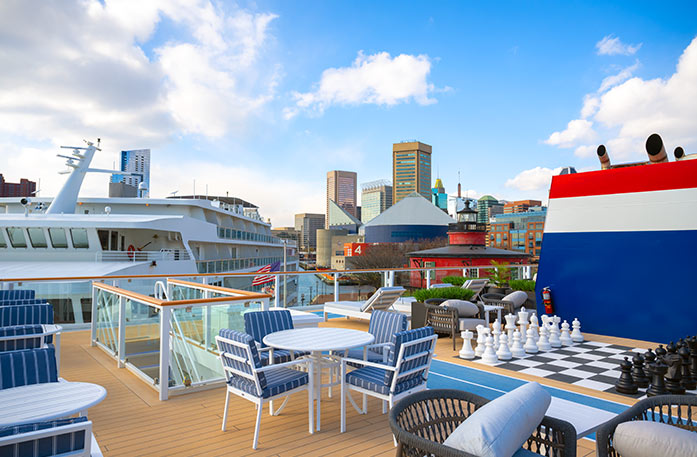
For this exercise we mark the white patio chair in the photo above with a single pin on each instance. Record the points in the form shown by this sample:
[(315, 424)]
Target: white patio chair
[(477, 286), (382, 299), (65, 437)]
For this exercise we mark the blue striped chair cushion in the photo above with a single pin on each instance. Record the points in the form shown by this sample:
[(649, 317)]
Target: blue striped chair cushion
[(241, 352), (23, 301), (279, 356), (384, 324), (278, 381), (26, 315), (25, 343), (358, 354), (16, 294), (373, 379), (261, 323), (51, 445), (30, 366), (405, 337)]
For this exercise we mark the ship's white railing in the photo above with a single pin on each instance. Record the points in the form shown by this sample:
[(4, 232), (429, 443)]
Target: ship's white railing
[(142, 256), (137, 330)]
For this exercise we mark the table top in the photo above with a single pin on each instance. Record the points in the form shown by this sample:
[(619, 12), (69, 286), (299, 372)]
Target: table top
[(585, 419), (318, 339), (47, 401)]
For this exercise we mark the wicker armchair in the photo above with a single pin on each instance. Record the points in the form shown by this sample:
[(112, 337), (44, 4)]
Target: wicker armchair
[(497, 300), (677, 410), (422, 421), (447, 320)]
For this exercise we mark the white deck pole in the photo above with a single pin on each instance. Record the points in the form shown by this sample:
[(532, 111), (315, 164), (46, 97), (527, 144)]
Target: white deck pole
[(93, 324), (336, 286), (165, 315), (276, 289), (428, 279), (122, 332)]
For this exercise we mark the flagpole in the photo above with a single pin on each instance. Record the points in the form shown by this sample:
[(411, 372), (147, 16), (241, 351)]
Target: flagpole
[(285, 302)]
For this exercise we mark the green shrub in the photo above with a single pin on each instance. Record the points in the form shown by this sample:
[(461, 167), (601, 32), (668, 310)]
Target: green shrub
[(522, 284), (456, 293)]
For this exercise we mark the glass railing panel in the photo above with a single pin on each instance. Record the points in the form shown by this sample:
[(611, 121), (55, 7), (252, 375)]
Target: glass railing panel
[(142, 337), (107, 322), (71, 299)]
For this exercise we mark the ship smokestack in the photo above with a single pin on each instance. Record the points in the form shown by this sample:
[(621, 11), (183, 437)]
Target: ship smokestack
[(655, 149), (604, 158), (679, 154)]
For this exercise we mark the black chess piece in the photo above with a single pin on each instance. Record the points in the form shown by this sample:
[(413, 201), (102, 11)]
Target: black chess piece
[(657, 387), (688, 381), (692, 344), (625, 384), (649, 357), (673, 375), (671, 348), (638, 374), (660, 351)]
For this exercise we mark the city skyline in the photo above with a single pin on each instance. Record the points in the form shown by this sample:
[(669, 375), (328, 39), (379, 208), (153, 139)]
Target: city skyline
[(261, 99)]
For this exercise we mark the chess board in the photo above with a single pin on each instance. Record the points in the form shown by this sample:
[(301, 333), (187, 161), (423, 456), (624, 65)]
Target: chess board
[(589, 364)]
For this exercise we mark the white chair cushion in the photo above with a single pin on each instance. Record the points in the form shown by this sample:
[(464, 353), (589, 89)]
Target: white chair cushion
[(650, 439), (517, 297), (470, 323), (464, 308), (501, 427)]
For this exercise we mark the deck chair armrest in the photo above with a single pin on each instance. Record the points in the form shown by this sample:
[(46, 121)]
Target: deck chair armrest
[(347, 360), (283, 365)]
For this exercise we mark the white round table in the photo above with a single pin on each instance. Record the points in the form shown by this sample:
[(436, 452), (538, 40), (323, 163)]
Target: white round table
[(317, 340), (47, 401)]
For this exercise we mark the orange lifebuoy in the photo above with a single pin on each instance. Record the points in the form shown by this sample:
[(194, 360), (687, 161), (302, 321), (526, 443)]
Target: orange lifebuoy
[(131, 251)]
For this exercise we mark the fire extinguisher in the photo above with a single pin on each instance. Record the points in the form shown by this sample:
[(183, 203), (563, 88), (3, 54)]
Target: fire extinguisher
[(547, 300)]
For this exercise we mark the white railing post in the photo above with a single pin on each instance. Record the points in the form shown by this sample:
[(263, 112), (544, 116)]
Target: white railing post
[(207, 326), (336, 286), (94, 318), (428, 279), (122, 332), (165, 314), (277, 290), (265, 304), (391, 278)]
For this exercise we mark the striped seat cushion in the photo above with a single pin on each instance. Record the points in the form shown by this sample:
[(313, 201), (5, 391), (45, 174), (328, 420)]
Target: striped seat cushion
[(420, 362), (277, 381), (29, 366), (62, 443), (248, 341), (279, 356), (384, 324), (16, 294), (23, 301), (373, 379), (372, 356), (24, 343), (261, 323), (26, 315)]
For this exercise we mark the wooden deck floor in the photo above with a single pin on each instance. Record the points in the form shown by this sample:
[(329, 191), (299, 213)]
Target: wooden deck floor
[(131, 421)]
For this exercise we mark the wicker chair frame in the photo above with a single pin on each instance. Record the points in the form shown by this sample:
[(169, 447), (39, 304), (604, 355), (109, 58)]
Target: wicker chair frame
[(677, 410), (422, 422), (444, 319)]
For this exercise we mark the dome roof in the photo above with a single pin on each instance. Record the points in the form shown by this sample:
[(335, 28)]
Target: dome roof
[(488, 198)]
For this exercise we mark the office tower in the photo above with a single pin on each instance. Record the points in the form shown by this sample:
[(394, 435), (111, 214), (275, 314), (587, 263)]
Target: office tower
[(24, 188), (411, 169), (308, 224), (483, 206), (137, 162), (341, 189), (520, 206), (438, 195), (376, 197)]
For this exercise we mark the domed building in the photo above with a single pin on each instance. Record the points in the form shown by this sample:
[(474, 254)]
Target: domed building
[(488, 206)]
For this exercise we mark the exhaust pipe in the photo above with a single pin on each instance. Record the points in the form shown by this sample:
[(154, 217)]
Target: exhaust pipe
[(679, 154), (604, 158), (655, 149)]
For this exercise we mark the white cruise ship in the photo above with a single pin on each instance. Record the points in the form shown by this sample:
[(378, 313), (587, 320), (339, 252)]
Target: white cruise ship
[(68, 236)]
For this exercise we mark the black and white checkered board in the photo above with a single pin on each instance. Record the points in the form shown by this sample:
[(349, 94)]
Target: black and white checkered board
[(589, 364)]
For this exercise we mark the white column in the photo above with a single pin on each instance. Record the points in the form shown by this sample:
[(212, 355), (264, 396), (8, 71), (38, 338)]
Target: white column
[(122, 332), (336, 286), (165, 315), (93, 325), (392, 274), (276, 288)]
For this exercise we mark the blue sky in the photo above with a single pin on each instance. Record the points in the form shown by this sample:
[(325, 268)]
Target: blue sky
[(261, 99)]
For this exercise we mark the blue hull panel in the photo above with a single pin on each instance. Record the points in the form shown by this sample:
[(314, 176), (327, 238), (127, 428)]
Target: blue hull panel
[(637, 285)]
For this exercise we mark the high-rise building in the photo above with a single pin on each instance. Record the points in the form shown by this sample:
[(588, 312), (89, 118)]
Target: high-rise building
[(136, 162), (411, 169), (24, 188), (519, 231), (483, 205), (341, 189), (438, 195), (520, 206), (308, 224), (376, 197), (288, 233)]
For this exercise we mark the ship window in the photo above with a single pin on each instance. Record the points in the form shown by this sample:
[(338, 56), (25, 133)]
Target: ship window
[(103, 239), (37, 237), (113, 241), (17, 238), (58, 238), (79, 237), (3, 244)]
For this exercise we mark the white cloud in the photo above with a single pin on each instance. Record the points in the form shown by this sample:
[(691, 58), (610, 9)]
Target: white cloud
[(576, 131), (628, 112), (374, 79), (535, 179), (620, 77), (611, 46)]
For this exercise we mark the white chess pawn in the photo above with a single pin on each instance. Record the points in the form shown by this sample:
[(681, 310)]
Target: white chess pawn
[(510, 325), (504, 353), (545, 320), (556, 320), (543, 342), (489, 355), (530, 344), (523, 320), (535, 326), (481, 337), (554, 333), (497, 332), (576, 335), (467, 352), (565, 337), (517, 346)]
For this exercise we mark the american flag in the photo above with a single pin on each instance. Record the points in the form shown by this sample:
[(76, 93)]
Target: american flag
[(263, 279)]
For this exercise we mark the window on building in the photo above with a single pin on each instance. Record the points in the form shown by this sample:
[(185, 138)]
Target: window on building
[(79, 237), (37, 237), (103, 239), (17, 239), (58, 238)]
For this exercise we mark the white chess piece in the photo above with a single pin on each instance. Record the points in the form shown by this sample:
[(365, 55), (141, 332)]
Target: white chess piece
[(510, 325), (523, 320), (497, 332), (554, 333), (535, 326), (481, 336), (576, 335), (543, 342), (467, 352), (530, 344), (489, 355), (517, 346), (504, 352), (565, 337)]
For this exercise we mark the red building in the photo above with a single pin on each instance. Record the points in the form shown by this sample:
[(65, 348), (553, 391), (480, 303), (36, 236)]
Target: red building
[(24, 188), (466, 248)]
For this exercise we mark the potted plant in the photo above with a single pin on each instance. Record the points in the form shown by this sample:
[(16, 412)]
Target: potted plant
[(499, 278), (527, 286), (434, 297)]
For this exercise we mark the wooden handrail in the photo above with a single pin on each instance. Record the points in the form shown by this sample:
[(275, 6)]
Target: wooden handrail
[(224, 290)]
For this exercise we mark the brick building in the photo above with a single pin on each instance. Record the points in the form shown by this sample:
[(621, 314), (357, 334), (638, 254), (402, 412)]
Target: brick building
[(520, 232), (24, 188)]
